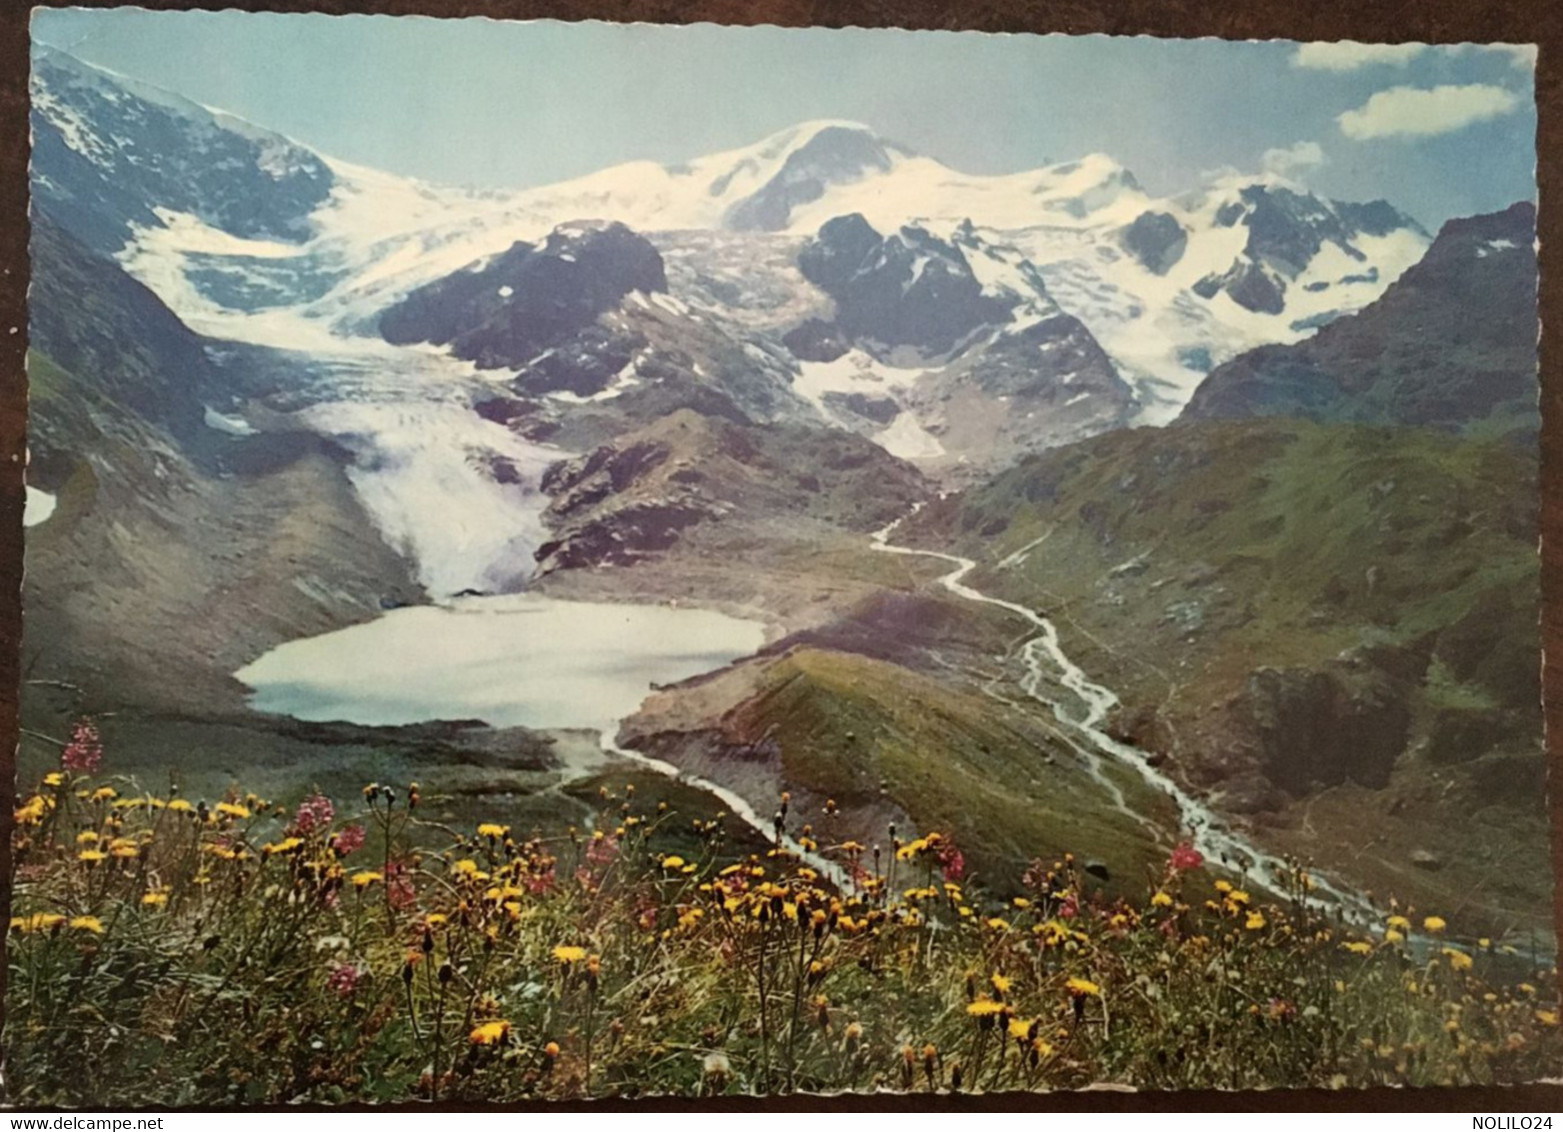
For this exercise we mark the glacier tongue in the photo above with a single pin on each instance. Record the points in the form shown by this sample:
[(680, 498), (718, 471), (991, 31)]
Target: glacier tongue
[(456, 494)]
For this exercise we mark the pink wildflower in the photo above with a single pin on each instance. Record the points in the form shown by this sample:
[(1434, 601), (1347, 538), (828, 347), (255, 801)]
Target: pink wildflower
[(343, 979), (399, 887), (1185, 856), (952, 862), (314, 815), (84, 752), (602, 850), (348, 839)]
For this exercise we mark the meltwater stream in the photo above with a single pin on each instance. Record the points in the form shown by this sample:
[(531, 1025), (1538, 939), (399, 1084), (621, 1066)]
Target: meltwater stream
[(1043, 657)]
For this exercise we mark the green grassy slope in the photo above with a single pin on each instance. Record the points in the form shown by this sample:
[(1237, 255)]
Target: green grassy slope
[(1332, 628)]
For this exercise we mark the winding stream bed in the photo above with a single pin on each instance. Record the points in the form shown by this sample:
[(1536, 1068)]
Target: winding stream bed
[(1043, 658)]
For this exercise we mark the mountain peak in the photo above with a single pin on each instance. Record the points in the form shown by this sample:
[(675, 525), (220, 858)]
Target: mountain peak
[(796, 166)]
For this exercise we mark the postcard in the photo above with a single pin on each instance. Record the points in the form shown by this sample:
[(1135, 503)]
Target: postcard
[(579, 560)]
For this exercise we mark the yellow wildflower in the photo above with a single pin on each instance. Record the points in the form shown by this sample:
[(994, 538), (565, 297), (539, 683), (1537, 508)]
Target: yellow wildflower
[(1398, 923), (32, 813), (493, 830), (672, 861), (88, 924), (567, 954), (92, 856), (1001, 983), (1359, 947), (104, 794), (983, 1007), (180, 806), (1434, 924), (1161, 900), (155, 899), (1019, 1029), (1459, 960), (286, 845), (1080, 988), (54, 778), (491, 1033), (1547, 1017), (232, 810), (364, 878), (37, 922), (1254, 922)]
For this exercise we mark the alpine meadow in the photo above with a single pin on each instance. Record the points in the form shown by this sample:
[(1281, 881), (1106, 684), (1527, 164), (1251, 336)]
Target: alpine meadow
[(593, 561)]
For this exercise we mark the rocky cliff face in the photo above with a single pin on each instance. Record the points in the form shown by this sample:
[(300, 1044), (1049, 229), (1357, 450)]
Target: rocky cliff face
[(1157, 240), (1286, 230), (507, 311), (1451, 344), (109, 153), (910, 289)]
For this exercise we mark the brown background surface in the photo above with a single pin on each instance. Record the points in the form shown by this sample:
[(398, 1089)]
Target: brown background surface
[(1431, 21)]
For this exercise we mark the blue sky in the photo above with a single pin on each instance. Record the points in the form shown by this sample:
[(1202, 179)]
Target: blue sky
[(1440, 132)]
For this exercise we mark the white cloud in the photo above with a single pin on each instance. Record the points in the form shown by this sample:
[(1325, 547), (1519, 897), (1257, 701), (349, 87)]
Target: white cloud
[(1291, 160), (1521, 55), (1411, 111), (1348, 55)]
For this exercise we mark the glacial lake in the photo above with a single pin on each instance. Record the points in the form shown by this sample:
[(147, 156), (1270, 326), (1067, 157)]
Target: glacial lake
[(516, 660)]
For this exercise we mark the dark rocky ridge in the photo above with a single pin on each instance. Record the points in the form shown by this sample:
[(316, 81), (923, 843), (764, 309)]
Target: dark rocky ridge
[(132, 146), (1157, 240), (506, 311), (1451, 344), (1286, 229), (908, 289)]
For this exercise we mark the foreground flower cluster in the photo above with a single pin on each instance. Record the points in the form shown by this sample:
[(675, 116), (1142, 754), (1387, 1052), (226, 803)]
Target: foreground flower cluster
[(164, 951)]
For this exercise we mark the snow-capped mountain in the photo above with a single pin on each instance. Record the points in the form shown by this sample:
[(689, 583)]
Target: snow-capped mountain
[(232, 224), (823, 273), (109, 153)]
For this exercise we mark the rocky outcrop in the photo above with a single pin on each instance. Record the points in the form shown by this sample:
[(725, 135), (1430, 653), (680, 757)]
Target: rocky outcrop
[(1322, 727), (1250, 285), (816, 340), (506, 311), (1157, 240), (636, 496), (1286, 230), (1451, 343), (909, 289)]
